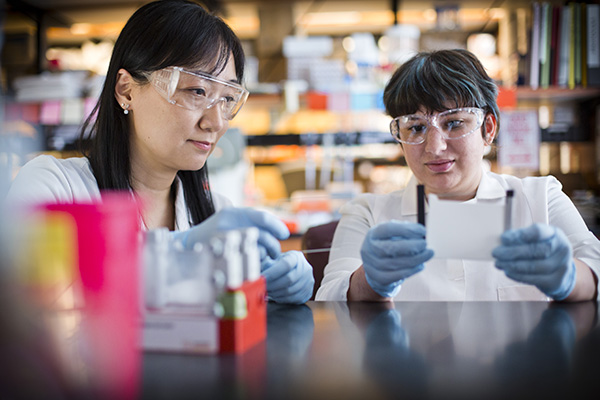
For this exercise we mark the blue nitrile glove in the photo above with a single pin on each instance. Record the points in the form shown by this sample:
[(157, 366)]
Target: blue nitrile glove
[(270, 228), (289, 278), (393, 251), (540, 255)]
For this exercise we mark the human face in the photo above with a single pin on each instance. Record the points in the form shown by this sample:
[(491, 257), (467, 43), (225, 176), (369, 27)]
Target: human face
[(450, 168), (170, 138)]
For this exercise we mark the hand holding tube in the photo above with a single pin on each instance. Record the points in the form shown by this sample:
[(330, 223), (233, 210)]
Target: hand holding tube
[(271, 229), (540, 255), (289, 278), (391, 252)]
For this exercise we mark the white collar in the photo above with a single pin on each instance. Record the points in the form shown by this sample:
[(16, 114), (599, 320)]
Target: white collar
[(182, 217), (488, 189)]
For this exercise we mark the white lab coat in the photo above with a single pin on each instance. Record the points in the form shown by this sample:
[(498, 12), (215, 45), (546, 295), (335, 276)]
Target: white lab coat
[(536, 200), (46, 179)]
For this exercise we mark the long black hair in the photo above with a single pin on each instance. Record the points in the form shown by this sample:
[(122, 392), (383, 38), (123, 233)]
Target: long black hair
[(159, 34)]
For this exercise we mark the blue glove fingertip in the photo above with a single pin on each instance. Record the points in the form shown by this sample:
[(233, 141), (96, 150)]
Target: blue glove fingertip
[(498, 252), (270, 223), (283, 231), (272, 251), (428, 253)]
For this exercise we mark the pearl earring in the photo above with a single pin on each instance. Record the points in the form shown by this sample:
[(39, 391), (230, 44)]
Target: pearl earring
[(125, 108)]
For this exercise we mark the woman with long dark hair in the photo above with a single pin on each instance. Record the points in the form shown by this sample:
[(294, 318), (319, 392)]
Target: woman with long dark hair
[(172, 86)]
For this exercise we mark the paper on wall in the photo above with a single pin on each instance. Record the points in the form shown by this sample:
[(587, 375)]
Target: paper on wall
[(458, 230), (519, 139)]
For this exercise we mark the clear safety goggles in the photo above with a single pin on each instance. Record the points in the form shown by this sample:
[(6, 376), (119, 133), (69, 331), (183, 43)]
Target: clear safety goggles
[(453, 124), (199, 91)]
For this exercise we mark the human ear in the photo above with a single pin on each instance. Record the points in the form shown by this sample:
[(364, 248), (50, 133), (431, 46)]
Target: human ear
[(123, 88), (490, 126)]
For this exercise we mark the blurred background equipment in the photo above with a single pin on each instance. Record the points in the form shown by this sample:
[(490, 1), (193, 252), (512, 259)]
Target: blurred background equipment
[(316, 72)]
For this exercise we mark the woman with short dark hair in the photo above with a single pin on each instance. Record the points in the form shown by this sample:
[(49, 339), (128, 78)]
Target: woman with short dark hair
[(445, 116)]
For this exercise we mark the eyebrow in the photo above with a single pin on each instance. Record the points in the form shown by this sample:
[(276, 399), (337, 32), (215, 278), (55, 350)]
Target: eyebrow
[(233, 80), (198, 71)]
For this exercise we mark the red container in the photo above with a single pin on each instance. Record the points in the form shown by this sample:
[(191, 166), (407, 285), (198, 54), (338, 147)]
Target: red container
[(239, 335)]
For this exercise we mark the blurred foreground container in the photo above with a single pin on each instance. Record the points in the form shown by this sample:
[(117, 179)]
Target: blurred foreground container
[(77, 268)]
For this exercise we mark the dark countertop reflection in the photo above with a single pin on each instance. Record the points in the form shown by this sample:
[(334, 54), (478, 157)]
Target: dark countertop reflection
[(480, 350), (330, 350)]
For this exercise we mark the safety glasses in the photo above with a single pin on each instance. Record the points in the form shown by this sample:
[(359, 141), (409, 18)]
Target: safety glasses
[(199, 91), (453, 124)]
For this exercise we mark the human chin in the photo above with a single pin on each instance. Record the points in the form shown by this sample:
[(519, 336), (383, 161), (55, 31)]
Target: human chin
[(441, 183), (193, 163)]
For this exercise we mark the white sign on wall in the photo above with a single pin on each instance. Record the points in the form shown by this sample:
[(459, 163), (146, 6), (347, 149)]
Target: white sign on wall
[(519, 140)]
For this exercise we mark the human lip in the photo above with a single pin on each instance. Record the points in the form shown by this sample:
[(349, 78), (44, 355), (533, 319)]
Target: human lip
[(439, 165), (202, 145)]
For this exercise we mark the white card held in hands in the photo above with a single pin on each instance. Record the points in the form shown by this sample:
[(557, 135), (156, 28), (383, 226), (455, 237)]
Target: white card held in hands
[(464, 230)]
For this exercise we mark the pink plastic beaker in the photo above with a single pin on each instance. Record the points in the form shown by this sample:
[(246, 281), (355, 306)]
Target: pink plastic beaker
[(108, 260)]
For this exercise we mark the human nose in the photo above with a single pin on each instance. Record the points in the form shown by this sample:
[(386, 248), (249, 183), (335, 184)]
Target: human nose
[(435, 140), (212, 117)]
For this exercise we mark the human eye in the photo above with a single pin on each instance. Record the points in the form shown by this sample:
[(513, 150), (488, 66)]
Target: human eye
[(454, 123), (412, 132), (417, 128), (193, 96), (197, 91), (228, 95), (193, 87), (414, 129), (411, 127), (454, 120)]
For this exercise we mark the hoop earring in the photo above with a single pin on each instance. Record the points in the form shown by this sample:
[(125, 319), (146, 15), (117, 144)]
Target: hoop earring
[(125, 108)]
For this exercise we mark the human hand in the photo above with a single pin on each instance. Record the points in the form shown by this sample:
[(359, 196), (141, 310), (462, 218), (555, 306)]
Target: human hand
[(540, 255), (271, 229), (289, 278), (391, 252)]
